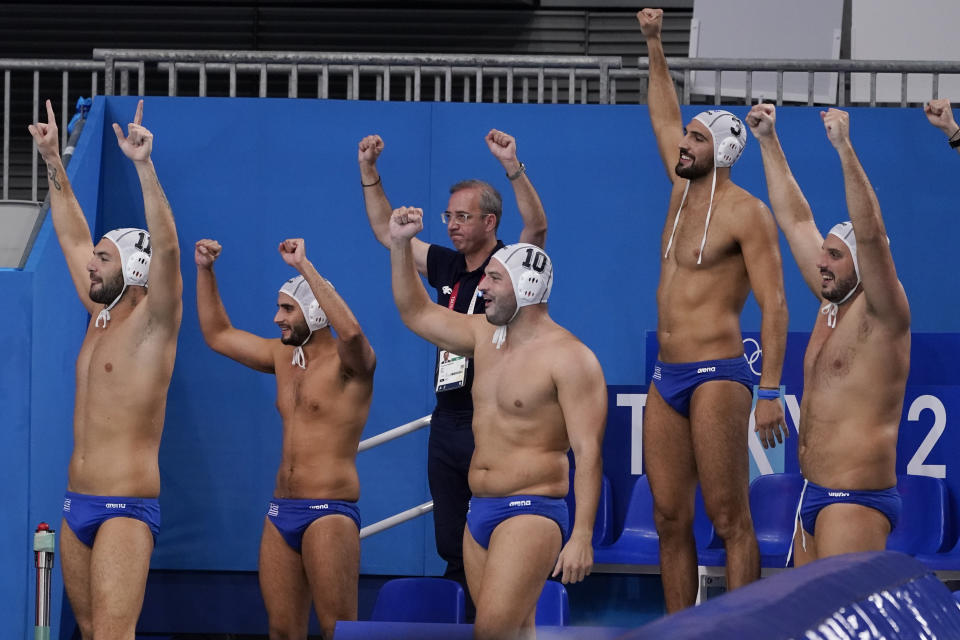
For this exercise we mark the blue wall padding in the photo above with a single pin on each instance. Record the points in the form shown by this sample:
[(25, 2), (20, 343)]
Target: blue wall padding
[(250, 172), (16, 540)]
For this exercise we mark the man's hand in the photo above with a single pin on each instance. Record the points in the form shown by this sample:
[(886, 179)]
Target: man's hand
[(47, 136), (138, 143), (771, 422), (651, 22), (941, 116), (503, 146), (205, 252), (762, 120), (837, 124), (369, 150), (405, 223), (293, 252), (575, 560)]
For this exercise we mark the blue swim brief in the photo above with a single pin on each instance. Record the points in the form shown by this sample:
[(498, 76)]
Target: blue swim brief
[(292, 517), (814, 498), (85, 513), (484, 514), (676, 382)]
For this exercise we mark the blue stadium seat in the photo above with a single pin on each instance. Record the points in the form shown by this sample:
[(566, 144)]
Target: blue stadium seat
[(603, 524), (773, 506), (419, 600), (638, 542), (920, 529), (945, 561), (553, 607)]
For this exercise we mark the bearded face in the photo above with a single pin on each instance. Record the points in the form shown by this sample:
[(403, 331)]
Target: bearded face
[(105, 289), (295, 333)]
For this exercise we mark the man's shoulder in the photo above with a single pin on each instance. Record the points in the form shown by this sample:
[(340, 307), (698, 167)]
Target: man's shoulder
[(741, 199)]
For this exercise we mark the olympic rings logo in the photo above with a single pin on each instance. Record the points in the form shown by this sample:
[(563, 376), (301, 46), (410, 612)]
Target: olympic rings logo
[(752, 355)]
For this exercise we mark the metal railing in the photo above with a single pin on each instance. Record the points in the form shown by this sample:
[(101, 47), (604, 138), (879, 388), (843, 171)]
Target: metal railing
[(409, 514), (845, 69), (578, 71), (406, 77), (17, 140)]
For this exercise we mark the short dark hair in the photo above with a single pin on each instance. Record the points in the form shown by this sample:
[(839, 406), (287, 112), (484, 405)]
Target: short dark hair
[(490, 200)]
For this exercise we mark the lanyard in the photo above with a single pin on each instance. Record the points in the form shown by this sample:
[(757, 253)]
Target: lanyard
[(453, 298)]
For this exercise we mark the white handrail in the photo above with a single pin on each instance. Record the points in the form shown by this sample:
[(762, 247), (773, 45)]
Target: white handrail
[(396, 519), (394, 433)]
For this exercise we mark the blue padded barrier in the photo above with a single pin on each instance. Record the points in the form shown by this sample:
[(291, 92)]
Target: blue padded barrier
[(420, 600), (860, 595), (553, 607), (920, 528), (427, 631)]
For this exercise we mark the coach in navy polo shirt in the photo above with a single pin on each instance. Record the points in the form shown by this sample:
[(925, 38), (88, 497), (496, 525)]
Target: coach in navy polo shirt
[(472, 217)]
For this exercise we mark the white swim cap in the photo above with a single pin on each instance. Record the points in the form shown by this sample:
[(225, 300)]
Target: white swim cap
[(844, 231), (134, 247), (531, 273), (298, 289), (729, 135)]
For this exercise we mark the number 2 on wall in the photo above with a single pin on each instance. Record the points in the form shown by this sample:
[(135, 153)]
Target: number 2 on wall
[(916, 465)]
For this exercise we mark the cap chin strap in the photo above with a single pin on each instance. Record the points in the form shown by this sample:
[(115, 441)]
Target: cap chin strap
[(299, 358), (500, 335), (832, 308), (105, 312), (676, 221)]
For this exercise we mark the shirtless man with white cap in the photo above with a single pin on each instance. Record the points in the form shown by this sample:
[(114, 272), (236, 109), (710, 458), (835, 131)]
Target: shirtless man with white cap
[(857, 360), (111, 514), (311, 533), (719, 242), (537, 393)]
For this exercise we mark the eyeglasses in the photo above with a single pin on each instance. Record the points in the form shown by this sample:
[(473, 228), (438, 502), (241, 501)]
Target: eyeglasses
[(461, 217)]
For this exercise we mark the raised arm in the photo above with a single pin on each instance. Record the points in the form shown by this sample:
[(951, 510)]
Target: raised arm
[(790, 207), (885, 295), (504, 148), (940, 115), (165, 299), (355, 351), (757, 235), (68, 219), (219, 334), (582, 394), (441, 326), (661, 97), (375, 199)]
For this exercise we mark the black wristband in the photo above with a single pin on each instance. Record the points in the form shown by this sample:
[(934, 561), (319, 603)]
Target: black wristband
[(519, 172), (372, 184), (954, 143)]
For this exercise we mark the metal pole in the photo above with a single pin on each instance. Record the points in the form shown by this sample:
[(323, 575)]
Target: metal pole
[(43, 550)]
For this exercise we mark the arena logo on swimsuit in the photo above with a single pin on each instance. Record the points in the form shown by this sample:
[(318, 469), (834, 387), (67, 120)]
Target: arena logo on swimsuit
[(115, 505), (319, 506), (520, 503), (838, 494), (706, 370)]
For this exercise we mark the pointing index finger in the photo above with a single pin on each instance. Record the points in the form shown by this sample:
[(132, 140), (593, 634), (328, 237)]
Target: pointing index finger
[(138, 118), (51, 118)]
